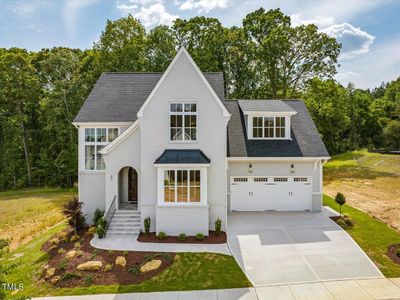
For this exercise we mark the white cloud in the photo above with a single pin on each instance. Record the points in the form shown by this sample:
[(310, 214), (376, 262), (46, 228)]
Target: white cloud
[(320, 21), (22, 8), (205, 5), (354, 41), (150, 12), (70, 14)]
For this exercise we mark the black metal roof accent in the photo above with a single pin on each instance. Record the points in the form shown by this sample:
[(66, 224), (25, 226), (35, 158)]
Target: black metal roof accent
[(180, 156)]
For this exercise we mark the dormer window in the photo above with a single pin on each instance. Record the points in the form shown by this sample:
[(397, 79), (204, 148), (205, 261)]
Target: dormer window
[(269, 127), (183, 122)]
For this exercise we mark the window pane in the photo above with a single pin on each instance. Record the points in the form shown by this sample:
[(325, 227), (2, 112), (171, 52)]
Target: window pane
[(257, 122), (89, 157), (89, 135), (193, 107), (188, 107), (257, 132), (194, 194), (182, 186), (173, 121), (169, 186), (193, 135), (179, 107), (269, 132), (179, 122), (187, 121), (269, 122), (195, 178), (112, 134), (172, 107), (100, 162), (193, 121), (280, 132), (101, 135)]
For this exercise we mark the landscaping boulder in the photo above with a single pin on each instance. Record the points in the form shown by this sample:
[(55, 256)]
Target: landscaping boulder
[(55, 279), (150, 266), (50, 272), (120, 261), (93, 265), (70, 254)]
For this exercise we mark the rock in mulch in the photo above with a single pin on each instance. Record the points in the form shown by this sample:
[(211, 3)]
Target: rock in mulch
[(70, 254), (50, 272), (120, 261), (55, 279), (93, 265), (151, 265)]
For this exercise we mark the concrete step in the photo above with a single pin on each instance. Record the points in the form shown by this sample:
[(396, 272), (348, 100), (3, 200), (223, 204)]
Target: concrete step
[(122, 235), (127, 230), (126, 221), (130, 212), (123, 227)]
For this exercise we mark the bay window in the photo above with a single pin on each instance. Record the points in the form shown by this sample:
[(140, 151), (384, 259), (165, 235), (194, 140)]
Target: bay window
[(95, 140), (183, 122)]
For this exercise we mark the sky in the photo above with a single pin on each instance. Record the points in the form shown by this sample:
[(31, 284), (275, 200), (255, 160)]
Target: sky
[(369, 30)]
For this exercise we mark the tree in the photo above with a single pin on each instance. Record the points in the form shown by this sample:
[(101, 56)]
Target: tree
[(341, 200), (73, 212), (391, 134), (161, 48)]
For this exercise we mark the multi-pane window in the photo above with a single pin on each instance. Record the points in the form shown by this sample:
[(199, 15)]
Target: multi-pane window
[(269, 127), (95, 140), (183, 122), (181, 186)]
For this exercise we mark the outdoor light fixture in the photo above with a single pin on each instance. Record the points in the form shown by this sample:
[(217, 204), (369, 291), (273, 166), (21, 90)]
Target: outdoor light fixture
[(292, 168), (250, 168), (110, 177)]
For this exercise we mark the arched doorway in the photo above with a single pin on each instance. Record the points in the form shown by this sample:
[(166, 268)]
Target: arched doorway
[(128, 188)]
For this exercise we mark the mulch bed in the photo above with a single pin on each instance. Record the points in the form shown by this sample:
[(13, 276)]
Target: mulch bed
[(212, 238), (118, 274), (334, 218), (392, 249)]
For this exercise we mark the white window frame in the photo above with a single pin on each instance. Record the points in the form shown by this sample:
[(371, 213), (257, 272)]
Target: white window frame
[(183, 114), (188, 168), (274, 116), (95, 144)]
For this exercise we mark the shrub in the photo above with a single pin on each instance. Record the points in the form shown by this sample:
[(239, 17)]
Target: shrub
[(135, 270), (4, 243), (73, 212), (92, 230), (349, 221), (341, 222), (162, 235), (61, 251), (110, 252), (108, 267), (125, 252), (101, 228), (341, 200), (199, 236), (54, 241), (79, 253), (74, 238), (182, 237), (147, 223), (68, 276), (88, 280), (98, 214), (94, 254), (62, 265), (77, 245), (218, 225)]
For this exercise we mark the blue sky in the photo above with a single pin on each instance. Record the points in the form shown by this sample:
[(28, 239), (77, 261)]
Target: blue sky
[(368, 29)]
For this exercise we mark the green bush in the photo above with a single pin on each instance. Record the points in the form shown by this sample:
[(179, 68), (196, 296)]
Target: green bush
[(61, 251), (147, 223), (135, 270), (199, 236), (4, 243), (125, 252), (89, 279), (108, 267), (77, 245), (68, 276), (162, 235), (348, 220), (98, 214), (341, 200), (182, 237), (101, 228), (218, 225), (62, 266), (73, 211), (341, 222)]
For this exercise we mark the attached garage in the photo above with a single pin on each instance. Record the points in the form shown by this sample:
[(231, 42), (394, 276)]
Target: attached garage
[(262, 193)]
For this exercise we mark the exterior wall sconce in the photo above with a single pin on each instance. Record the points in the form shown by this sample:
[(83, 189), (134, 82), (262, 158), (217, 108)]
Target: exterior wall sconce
[(292, 168), (110, 177), (250, 168)]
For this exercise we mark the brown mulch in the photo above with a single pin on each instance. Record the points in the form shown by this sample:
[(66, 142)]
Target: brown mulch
[(118, 274), (212, 238), (335, 218), (392, 253)]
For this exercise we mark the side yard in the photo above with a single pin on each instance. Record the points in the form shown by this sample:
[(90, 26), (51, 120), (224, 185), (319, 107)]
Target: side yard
[(372, 235), (370, 181), (25, 214)]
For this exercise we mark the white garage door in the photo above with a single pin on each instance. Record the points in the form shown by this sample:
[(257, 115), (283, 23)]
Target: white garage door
[(270, 193)]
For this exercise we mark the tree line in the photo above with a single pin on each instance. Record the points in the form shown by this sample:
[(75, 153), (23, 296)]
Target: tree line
[(265, 58)]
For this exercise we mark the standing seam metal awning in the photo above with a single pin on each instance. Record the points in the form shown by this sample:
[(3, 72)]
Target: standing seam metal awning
[(182, 156)]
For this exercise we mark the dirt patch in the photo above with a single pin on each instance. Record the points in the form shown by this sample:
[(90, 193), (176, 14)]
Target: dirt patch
[(392, 253), (71, 277), (212, 238)]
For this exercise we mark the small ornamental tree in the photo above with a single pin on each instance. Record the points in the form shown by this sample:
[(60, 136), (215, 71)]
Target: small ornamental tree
[(73, 211), (341, 200)]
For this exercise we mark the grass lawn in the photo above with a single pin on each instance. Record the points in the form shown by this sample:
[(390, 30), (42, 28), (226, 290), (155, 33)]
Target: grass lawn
[(190, 271), (25, 214), (372, 235), (370, 181)]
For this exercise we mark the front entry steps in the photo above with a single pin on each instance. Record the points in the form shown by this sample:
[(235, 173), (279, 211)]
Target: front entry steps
[(124, 223)]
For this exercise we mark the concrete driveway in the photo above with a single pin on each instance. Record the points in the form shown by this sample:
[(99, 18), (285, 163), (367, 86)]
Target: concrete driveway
[(295, 247)]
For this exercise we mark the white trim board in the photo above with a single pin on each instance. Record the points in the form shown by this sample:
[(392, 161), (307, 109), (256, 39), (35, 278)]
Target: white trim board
[(253, 159), (181, 51), (107, 149)]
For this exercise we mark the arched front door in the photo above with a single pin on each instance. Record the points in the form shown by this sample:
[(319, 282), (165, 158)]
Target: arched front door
[(128, 188)]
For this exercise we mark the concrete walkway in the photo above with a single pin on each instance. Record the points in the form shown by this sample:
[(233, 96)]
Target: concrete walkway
[(276, 248), (131, 244), (364, 289)]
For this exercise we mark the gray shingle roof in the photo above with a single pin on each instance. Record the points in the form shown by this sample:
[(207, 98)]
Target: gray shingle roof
[(186, 156), (265, 105), (306, 141), (117, 97)]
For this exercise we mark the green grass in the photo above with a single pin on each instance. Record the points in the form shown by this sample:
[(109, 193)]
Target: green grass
[(27, 213), (190, 271), (372, 235)]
